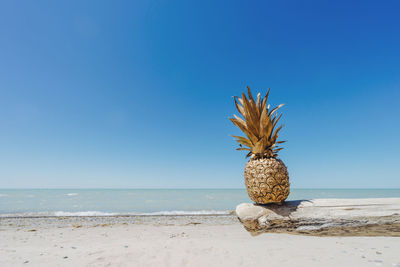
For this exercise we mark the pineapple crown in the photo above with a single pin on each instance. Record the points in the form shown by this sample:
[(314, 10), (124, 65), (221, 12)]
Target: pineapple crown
[(258, 125)]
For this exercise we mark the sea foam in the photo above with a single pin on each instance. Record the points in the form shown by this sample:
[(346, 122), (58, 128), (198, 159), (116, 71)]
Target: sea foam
[(83, 213), (156, 213), (183, 212), (101, 213)]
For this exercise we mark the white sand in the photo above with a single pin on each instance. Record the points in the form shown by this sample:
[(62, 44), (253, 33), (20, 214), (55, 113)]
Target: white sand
[(213, 241)]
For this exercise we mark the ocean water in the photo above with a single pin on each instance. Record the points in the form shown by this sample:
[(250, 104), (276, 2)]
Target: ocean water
[(96, 202)]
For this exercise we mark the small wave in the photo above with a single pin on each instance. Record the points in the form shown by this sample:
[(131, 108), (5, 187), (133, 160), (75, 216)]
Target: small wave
[(71, 194), (182, 212), (156, 213), (83, 213), (100, 213), (3, 195)]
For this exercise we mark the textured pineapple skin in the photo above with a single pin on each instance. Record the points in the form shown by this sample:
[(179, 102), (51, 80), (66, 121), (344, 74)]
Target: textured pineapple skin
[(267, 180)]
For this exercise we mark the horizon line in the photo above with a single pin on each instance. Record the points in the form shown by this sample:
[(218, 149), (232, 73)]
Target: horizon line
[(185, 188)]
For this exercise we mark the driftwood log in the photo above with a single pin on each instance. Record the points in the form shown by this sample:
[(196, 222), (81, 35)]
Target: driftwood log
[(324, 217)]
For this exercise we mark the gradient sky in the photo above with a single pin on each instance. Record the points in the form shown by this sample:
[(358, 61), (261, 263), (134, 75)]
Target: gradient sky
[(138, 93)]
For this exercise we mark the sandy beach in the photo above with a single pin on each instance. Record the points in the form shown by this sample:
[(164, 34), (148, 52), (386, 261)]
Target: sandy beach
[(177, 241)]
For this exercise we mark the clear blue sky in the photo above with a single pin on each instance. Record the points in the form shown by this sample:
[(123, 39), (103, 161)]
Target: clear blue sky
[(138, 93)]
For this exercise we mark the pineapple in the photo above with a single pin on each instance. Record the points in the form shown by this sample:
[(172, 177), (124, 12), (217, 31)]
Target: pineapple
[(266, 177)]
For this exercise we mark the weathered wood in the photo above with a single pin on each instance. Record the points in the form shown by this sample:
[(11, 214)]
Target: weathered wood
[(324, 217)]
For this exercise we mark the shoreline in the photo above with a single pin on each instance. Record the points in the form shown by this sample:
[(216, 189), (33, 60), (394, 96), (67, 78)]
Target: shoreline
[(15, 223), (232, 213)]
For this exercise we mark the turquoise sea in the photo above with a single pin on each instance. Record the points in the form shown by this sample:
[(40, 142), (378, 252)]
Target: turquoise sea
[(86, 202)]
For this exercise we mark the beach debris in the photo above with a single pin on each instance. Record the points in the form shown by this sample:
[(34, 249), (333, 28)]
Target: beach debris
[(193, 223), (183, 234), (323, 217), (25, 262), (102, 225)]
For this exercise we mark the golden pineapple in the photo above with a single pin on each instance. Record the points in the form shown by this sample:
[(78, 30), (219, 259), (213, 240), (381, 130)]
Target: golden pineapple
[(266, 177)]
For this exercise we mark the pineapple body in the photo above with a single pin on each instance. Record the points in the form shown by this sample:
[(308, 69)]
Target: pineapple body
[(267, 180)]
